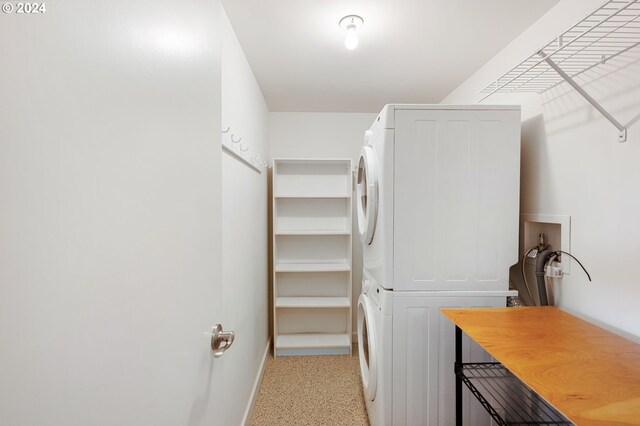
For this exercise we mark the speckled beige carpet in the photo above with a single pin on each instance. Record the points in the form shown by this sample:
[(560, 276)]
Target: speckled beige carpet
[(311, 390)]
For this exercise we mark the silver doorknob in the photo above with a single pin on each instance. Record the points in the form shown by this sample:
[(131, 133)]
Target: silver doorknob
[(220, 340)]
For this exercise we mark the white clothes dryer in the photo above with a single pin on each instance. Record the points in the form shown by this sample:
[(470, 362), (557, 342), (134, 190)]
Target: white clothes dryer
[(375, 349), (437, 197)]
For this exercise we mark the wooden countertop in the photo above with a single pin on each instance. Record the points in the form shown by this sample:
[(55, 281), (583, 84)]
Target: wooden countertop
[(590, 375)]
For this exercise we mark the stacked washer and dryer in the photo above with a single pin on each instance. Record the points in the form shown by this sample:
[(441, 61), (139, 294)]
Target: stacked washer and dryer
[(437, 205)]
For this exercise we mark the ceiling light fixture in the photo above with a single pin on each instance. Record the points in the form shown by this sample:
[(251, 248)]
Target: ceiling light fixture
[(351, 23)]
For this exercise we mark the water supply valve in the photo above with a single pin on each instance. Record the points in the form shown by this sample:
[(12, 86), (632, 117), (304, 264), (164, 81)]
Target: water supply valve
[(553, 271)]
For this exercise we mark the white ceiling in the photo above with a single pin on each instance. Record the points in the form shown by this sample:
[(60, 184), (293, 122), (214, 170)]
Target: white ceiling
[(411, 51)]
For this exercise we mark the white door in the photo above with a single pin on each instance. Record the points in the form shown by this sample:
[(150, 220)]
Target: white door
[(110, 223), (367, 194)]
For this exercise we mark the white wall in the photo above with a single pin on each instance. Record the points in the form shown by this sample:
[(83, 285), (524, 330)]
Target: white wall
[(572, 165), (111, 207), (244, 232), (323, 135)]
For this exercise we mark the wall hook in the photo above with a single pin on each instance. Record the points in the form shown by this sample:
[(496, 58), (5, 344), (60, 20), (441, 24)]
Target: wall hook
[(235, 141), (225, 131), (242, 145)]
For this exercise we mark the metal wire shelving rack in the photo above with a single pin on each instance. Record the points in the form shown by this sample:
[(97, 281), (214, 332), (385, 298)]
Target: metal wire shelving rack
[(507, 399), (611, 30)]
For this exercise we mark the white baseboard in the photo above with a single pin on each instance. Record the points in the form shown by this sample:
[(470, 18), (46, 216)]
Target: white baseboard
[(256, 386)]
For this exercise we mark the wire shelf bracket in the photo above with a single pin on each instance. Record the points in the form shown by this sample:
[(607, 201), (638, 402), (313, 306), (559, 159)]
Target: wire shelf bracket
[(622, 136), (609, 31)]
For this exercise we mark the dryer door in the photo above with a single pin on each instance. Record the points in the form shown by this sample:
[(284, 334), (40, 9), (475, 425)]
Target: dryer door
[(367, 347), (367, 194)]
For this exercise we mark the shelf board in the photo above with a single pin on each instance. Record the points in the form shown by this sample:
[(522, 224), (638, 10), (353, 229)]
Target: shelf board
[(314, 161), (312, 340), (345, 196), (313, 232), (313, 302), (312, 267)]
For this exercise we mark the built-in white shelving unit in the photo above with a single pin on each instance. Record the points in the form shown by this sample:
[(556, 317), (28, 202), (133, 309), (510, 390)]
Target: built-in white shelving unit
[(312, 256)]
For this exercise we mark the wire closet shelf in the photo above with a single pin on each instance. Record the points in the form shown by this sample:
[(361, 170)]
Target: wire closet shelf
[(611, 30), (508, 400)]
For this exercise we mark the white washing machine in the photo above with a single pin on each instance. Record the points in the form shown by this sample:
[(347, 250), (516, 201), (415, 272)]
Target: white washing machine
[(438, 197), (375, 349), (407, 349)]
